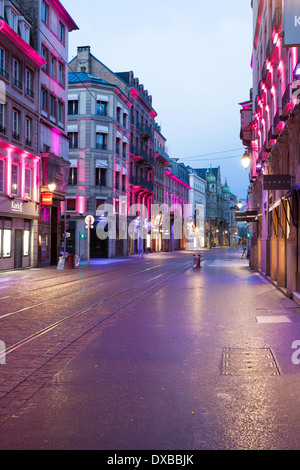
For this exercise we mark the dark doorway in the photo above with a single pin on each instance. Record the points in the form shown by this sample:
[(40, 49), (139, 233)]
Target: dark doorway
[(99, 248)]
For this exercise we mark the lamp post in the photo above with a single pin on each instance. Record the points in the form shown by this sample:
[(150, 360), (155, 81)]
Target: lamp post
[(246, 160)]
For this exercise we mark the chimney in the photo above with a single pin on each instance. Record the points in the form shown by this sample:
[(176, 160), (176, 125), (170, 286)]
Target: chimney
[(84, 59)]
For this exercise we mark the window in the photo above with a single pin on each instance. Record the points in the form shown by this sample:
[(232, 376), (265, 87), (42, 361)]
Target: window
[(73, 107), (61, 73), (118, 114), (2, 178), (71, 204), (15, 179), (6, 243), (117, 184), (53, 106), (73, 140), (16, 125), (44, 100), (73, 176), (3, 72), (61, 32), (28, 131), (60, 112), (28, 183), (2, 118), (45, 55), (45, 13), (29, 83), (53, 66), (26, 238), (102, 108), (101, 141), (101, 176), (16, 74)]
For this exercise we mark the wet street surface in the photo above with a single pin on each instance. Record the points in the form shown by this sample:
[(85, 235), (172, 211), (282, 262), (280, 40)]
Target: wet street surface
[(149, 353)]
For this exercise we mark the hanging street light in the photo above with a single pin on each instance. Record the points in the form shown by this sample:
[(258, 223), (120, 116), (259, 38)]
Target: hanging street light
[(246, 160)]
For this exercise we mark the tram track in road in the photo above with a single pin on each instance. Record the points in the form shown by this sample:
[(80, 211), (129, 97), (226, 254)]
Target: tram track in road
[(178, 268), (62, 284), (59, 283), (32, 363)]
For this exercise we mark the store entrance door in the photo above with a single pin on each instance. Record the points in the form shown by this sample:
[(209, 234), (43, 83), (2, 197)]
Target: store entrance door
[(18, 248)]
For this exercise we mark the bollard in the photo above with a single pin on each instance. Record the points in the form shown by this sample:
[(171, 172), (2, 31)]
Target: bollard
[(197, 259), (71, 262)]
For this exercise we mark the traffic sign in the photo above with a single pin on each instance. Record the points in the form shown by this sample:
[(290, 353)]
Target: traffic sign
[(89, 220)]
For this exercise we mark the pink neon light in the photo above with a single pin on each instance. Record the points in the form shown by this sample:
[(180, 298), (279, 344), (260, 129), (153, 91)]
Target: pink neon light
[(8, 180), (80, 206), (176, 179), (134, 92), (29, 51)]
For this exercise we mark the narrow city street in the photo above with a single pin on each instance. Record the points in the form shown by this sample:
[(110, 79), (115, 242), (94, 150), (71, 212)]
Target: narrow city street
[(147, 354)]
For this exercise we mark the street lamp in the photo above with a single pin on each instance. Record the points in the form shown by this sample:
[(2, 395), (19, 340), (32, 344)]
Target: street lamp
[(52, 187), (246, 160)]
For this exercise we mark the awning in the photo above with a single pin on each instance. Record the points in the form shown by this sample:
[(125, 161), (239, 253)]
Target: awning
[(248, 216), (101, 164)]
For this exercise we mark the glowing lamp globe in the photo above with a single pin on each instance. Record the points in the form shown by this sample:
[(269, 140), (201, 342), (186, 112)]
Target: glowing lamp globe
[(246, 160)]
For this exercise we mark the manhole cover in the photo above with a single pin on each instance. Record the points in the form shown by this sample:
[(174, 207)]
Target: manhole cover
[(258, 361)]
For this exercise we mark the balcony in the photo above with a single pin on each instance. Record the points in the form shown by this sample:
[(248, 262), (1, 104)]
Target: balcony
[(145, 131), (141, 182), (4, 74), (17, 84)]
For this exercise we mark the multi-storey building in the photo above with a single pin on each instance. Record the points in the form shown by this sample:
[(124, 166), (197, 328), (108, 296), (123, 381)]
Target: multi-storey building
[(141, 153), (197, 200), (271, 134), (19, 152), (177, 186), (98, 130), (51, 24), (218, 213)]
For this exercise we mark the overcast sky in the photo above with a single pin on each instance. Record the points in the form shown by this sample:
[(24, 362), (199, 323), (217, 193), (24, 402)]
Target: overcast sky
[(193, 57)]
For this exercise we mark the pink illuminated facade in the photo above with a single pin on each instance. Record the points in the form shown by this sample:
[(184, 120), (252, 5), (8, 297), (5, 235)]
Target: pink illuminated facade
[(50, 41), (271, 134), (20, 67), (141, 133), (98, 130), (177, 186)]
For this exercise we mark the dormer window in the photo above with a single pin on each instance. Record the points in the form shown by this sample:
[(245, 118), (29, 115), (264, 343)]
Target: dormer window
[(12, 17)]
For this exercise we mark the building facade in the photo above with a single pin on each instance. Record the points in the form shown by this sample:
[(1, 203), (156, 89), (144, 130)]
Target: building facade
[(162, 160), (141, 152), (20, 67), (98, 131), (270, 132), (177, 186), (51, 25), (218, 213), (197, 211)]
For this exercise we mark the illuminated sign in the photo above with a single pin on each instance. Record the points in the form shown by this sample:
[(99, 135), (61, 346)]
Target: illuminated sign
[(291, 23), (47, 199), (16, 206)]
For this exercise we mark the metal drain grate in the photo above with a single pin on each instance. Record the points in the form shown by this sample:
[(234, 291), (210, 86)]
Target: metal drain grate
[(258, 361)]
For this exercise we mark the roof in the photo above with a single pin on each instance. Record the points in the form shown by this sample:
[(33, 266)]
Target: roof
[(72, 26), (83, 77), (203, 171)]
